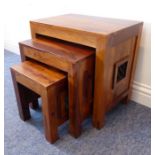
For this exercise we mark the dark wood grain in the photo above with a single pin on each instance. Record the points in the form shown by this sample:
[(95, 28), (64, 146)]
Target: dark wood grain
[(78, 62), (112, 39), (49, 84)]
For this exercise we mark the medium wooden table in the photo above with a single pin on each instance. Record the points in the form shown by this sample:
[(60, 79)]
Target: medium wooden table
[(116, 43), (77, 62)]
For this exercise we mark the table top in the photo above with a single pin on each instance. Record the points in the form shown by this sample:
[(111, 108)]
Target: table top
[(91, 24), (66, 51), (39, 73)]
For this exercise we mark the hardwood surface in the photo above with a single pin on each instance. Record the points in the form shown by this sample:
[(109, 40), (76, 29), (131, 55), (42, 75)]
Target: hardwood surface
[(85, 30), (113, 40), (65, 51), (78, 62), (39, 74), (90, 24), (50, 85)]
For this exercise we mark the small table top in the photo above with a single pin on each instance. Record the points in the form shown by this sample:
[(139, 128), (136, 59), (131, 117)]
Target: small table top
[(38, 73), (91, 24)]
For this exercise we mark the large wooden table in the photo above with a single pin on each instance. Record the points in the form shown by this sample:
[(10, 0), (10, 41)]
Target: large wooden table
[(116, 43)]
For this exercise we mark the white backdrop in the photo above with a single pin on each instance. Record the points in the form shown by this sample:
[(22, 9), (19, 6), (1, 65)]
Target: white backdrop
[(20, 12)]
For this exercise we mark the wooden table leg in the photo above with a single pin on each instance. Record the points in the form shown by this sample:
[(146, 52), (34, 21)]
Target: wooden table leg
[(125, 100), (100, 96), (31, 98), (23, 106), (34, 104), (49, 115), (74, 104)]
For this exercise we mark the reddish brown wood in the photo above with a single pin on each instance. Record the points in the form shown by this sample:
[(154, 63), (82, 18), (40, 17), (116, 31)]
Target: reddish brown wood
[(34, 104), (78, 61), (23, 108), (84, 29), (113, 41), (49, 84)]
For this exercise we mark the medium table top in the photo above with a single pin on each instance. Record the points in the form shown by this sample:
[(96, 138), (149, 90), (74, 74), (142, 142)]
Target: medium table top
[(66, 51)]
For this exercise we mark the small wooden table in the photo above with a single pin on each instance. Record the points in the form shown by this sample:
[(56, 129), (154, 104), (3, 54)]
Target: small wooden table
[(116, 43)]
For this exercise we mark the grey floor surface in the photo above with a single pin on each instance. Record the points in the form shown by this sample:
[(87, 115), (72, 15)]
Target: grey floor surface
[(127, 130)]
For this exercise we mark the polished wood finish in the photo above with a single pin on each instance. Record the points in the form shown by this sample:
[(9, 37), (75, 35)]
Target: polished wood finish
[(85, 30), (76, 60), (113, 39), (48, 83)]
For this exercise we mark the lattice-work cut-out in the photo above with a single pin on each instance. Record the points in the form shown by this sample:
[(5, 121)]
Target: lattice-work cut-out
[(121, 72)]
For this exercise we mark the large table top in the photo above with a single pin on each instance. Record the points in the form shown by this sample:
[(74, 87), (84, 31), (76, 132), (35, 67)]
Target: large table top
[(91, 24)]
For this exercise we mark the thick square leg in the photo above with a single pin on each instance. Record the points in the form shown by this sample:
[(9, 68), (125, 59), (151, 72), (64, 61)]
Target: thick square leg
[(99, 124), (49, 115), (34, 104), (125, 100), (74, 106), (75, 130), (23, 106), (32, 98)]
